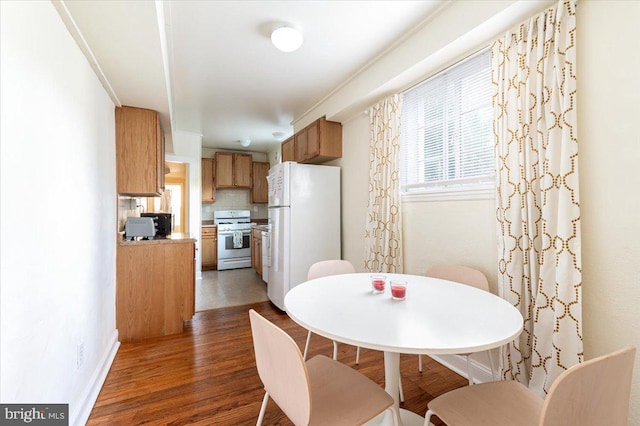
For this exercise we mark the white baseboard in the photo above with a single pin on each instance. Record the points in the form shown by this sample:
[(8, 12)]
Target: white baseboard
[(81, 415), (458, 363)]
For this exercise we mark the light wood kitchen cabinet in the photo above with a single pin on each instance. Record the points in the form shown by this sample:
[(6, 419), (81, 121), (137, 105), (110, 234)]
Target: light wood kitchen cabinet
[(301, 145), (139, 152), (256, 250), (209, 247), (224, 170), (155, 288), (243, 170), (319, 142), (208, 185), (233, 170), (289, 150), (260, 187)]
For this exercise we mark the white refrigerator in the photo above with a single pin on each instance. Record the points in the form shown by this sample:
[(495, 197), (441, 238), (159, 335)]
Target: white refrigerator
[(304, 218)]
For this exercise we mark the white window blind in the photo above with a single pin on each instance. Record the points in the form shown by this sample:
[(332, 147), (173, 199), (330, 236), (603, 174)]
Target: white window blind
[(446, 136)]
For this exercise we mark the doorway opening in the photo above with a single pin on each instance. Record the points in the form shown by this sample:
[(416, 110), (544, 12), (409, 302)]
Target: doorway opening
[(174, 198)]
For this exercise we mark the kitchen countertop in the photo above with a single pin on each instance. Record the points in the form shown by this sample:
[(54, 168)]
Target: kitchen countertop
[(264, 227), (174, 238)]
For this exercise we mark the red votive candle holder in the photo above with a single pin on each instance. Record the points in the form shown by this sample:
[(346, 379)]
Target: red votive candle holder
[(378, 283), (398, 289)]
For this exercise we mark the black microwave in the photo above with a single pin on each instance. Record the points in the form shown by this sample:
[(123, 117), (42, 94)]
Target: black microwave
[(163, 223)]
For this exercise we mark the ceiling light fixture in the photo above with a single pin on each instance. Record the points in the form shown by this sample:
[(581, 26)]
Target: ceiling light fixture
[(245, 142), (286, 38)]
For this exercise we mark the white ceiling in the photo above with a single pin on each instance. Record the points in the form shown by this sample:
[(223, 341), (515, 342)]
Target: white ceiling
[(219, 75)]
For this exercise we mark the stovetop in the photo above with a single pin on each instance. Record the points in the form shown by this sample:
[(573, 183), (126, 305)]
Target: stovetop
[(232, 220), (235, 226)]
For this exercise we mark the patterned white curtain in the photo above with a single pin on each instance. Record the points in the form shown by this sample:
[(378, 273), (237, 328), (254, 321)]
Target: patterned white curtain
[(383, 234), (538, 204)]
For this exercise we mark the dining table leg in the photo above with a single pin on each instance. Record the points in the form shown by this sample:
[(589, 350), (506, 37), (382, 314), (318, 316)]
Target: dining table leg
[(391, 386), (391, 380)]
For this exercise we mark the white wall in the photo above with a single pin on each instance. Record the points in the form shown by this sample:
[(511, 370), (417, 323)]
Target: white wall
[(187, 148), (354, 191), (58, 215), (464, 231), (608, 113), (441, 40)]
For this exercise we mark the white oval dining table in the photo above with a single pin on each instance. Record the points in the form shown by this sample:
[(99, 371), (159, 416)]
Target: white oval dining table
[(437, 317)]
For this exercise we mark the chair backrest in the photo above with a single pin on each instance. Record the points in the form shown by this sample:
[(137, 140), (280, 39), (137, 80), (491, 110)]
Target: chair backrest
[(281, 369), (459, 274), (595, 392), (330, 267)]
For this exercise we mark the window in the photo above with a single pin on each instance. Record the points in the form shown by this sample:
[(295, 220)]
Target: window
[(446, 136)]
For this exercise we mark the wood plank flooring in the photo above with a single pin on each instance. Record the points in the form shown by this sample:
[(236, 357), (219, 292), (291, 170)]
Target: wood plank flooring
[(207, 375)]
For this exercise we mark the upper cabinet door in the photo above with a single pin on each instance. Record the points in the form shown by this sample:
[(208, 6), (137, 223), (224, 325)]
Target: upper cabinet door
[(301, 146), (313, 139), (224, 170), (139, 152), (288, 150), (242, 171), (260, 190), (160, 155), (233, 170), (208, 188)]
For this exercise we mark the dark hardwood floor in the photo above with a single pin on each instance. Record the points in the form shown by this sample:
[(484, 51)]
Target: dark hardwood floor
[(207, 375)]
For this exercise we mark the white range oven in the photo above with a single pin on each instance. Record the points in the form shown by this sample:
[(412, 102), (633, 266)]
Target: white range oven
[(234, 238)]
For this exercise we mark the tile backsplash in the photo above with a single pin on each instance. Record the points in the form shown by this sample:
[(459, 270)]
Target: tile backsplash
[(234, 199)]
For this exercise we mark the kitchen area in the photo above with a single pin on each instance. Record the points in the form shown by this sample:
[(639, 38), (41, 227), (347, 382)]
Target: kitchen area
[(249, 252), (234, 204), (157, 289), (262, 225)]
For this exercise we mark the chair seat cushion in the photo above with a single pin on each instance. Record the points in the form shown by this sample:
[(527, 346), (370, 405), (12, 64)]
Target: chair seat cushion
[(341, 395), (495, 403)]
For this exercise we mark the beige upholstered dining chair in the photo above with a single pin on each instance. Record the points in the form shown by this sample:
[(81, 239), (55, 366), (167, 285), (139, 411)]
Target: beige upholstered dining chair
[(593, 393), (323, 269), (468, 276), (319, 391)]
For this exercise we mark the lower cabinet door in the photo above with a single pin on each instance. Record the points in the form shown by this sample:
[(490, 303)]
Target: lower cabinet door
[(209, 253)]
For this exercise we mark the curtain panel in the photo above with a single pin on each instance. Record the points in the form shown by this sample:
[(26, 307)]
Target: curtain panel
[(538, 205), (383, 231)]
